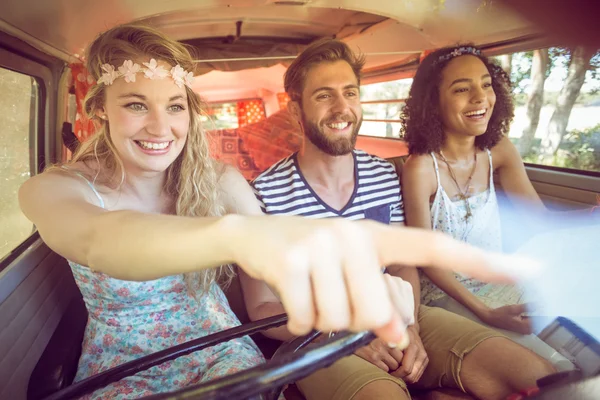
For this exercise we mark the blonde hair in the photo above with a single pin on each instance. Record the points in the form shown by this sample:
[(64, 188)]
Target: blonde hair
[(192, 179)]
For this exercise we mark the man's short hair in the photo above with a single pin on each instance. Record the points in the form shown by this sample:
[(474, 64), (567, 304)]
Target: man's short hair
[(323, 50)]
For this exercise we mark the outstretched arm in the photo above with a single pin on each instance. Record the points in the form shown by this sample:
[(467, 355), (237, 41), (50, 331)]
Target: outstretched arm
[(326, 272), (71, 222)]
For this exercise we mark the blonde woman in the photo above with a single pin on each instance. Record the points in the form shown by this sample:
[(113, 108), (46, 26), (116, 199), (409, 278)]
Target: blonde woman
[(139, 214)]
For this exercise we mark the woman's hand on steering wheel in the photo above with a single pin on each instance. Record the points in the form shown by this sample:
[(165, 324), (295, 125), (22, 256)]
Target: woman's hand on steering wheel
[(327, 272)]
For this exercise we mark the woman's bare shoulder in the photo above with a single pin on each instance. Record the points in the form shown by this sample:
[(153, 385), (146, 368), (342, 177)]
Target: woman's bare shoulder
[(505, 153), (419, 172), (236, 193), (229, 176), (418, 162), (67, 172), (69, 179)]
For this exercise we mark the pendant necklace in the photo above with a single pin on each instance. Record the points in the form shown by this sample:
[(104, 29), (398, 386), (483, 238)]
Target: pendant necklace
[(463, 194)]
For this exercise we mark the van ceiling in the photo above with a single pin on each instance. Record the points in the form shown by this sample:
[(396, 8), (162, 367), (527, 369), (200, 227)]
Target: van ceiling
[(224, 29)]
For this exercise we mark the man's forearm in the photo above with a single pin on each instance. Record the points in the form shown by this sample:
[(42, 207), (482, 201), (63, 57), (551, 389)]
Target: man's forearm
[(266, 310), (410, 275)]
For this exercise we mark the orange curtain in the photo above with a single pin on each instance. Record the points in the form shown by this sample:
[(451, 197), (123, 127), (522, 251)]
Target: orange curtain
[(271, 139), (283, 99), (82, 81), (250, 112)]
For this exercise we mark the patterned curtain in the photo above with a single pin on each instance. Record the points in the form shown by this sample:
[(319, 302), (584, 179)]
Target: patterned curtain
[(82, 81), (283, 99), (250, 112), (272, 139)]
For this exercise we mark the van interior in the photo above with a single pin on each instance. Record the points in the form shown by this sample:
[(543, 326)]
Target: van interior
[(243, 48)]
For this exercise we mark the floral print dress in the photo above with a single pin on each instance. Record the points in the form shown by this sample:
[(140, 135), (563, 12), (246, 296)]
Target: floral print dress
[(128, 320)]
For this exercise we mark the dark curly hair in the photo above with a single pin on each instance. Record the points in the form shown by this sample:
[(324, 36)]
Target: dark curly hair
[(421, 120)]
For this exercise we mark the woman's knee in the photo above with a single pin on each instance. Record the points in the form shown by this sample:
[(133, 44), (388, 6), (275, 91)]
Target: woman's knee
[(502, 358)]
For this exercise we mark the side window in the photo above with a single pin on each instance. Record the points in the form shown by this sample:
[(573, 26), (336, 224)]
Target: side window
[(557, 106), (381, 104), (220, 116), (18, 123), (231, 115)]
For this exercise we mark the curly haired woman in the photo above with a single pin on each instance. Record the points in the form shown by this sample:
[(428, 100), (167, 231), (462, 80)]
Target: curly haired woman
[(455, 122)]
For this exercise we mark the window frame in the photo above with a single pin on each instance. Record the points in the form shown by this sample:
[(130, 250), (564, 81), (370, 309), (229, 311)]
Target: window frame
[(381, 137), (45, 147), (573, 171), (209, 104), (384, 101)]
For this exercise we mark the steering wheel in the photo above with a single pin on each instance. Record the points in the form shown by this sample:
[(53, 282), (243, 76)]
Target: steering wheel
[(291, 362)]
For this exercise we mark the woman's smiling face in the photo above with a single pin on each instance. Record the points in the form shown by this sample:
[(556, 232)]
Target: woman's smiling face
[(466, 96), (148, 121)]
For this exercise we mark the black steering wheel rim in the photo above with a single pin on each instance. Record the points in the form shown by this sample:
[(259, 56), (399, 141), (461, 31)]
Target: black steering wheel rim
[(289, 363), (269, 378)]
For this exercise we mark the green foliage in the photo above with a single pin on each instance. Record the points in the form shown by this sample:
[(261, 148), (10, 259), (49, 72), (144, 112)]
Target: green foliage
[(579, 149), (15, 118), (558, 57), (521, 71)]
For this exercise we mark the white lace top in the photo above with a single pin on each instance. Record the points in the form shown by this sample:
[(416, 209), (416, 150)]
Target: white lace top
[(482, 229)]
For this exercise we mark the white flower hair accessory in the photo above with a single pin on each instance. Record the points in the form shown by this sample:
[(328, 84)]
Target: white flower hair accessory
[(109, 75), (155, 71), (128, 70), (459, 51), (178, 75), (151, 70)]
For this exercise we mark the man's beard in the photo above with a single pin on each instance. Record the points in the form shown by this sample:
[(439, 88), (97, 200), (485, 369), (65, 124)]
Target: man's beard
[(334, 147)]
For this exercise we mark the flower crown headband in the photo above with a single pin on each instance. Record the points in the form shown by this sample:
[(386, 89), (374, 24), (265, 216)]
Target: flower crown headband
[(151, 71), (459, 51)]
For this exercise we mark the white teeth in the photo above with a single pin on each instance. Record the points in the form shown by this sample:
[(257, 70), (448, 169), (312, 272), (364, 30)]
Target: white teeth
[(338, 125), (153, 145), (475, 113)]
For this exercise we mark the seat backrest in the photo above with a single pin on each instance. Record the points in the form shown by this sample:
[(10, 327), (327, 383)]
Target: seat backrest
[(57, 366), (398, 164), (235, 296), (35, 292)]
